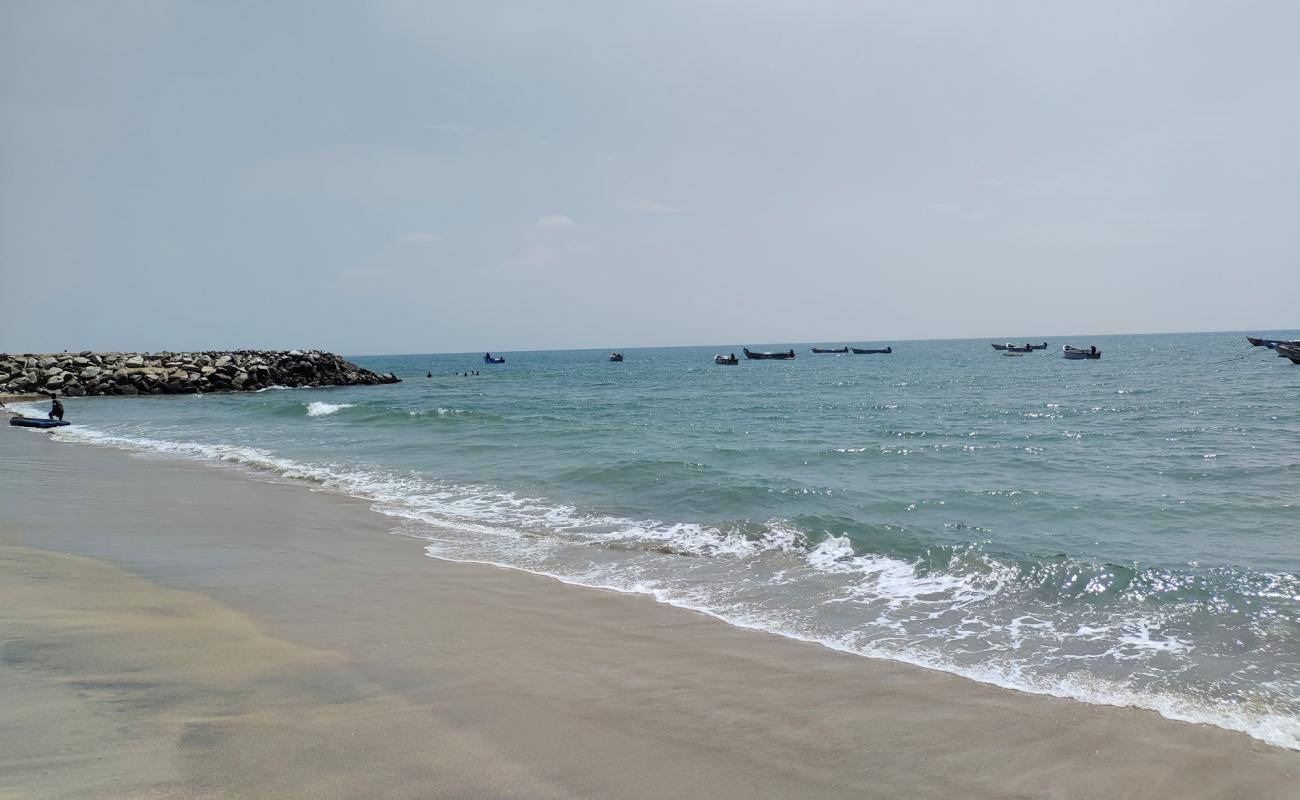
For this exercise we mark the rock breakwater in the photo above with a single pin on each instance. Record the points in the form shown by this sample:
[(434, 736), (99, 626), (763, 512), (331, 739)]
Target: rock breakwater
[(91, 373)]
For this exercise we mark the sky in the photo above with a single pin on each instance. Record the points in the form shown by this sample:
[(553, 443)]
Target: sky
[(396, 177)]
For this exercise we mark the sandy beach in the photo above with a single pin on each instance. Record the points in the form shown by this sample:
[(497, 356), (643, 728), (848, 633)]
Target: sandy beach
[(170, 629)]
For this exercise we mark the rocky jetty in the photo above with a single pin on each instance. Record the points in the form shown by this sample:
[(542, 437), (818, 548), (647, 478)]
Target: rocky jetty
[(90, 373)]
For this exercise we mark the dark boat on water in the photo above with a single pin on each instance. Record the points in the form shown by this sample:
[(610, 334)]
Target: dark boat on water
[(828, 350), (1289, 350), (867, 352), (488, 358), (1271, 343), (1075, 354), (1017, 348), (616, 357), (775, 356), (729, 361), (1025, 346)]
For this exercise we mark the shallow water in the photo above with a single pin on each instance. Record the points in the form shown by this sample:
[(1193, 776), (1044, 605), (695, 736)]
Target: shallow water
[(1120, 531)]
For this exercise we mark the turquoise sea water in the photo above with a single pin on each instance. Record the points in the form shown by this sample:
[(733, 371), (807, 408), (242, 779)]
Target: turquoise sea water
[(1120, 531)]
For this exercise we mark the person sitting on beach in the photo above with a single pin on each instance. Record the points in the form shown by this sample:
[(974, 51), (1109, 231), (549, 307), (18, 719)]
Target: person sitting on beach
[(56, 408)]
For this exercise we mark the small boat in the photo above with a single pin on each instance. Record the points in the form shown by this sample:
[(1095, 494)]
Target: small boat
[(1015, 353), (775, 356), (730, 360), (827, 350), (616, 357), (488, 358), (1289, 350), (1025, 346), (1017, 348), (1076, 354), (34, 422), (861, 352), (1271, 343)]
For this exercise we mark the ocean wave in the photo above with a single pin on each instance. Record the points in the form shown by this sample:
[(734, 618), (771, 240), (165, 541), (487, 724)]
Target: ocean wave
[(319, 409), (959, 608)]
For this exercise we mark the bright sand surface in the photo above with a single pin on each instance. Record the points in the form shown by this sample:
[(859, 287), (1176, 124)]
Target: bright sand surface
[(177, 630)]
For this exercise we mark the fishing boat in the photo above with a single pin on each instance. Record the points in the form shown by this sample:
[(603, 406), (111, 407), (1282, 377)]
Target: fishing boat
[(33, 422), (616, 357), (829, 350), (1025, 346), (1075, 354), (1289, 350), (862, 352), (488, 358), (1271, 343), (1019, 348), (775, 356), (1016, 353), (730, 360)]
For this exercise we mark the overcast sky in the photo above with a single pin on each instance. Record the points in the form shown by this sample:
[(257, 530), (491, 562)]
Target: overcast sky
[(376, 177)]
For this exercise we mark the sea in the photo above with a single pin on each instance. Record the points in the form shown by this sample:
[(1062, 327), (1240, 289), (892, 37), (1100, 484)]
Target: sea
[(1122, 531)]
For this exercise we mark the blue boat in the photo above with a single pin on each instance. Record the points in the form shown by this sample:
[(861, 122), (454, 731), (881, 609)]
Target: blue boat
[(34, 422)]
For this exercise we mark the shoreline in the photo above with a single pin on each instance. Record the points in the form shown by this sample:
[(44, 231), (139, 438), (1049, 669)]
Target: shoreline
[(571, 691)]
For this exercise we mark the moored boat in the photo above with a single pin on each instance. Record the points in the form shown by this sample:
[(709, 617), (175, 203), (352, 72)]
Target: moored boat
[(1075, 354), (1042, 346), (730, 360), (616, 357), (1272, 343), (1289, 350), (999, 347), (488, 358), (1018, 348), (830, 350), (866, 352), (774, 356)]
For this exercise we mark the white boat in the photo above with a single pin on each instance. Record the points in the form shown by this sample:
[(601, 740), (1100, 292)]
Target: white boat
[(1075, 354)]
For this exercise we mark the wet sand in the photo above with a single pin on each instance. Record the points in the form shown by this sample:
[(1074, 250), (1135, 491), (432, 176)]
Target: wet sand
[(179, 630)]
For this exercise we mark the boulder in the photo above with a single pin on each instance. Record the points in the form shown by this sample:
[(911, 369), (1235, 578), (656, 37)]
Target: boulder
[(134, 361)]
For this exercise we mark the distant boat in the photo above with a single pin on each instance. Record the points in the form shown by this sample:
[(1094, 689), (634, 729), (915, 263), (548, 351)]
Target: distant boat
[(1289, 350), (862, 352), (1076, 354), (1021, 347), (827, 350), (1016, 353), (1016, 348), (776, 356), (616, 357), (730, 360), (1271, 343), (488, 358)]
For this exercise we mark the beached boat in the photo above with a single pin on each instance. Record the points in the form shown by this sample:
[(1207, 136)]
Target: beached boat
[(616, 357), (1075, 354), (36, 422), (730, 360), (860, 351), (775, 356), (488, 358), (1289, 350), (828, 350)]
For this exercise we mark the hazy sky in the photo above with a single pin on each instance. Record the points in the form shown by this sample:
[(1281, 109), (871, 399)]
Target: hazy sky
[(444, 176)]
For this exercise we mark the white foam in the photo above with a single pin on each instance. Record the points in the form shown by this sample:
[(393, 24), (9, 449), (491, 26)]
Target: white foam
[(319, 409)]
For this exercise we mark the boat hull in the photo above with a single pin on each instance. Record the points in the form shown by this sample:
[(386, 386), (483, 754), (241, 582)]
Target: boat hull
[(1289, 351), (768, 356), (30, 422), (861, 352), (1075, 354)]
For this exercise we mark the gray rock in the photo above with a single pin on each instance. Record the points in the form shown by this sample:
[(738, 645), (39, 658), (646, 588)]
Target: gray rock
[(134, 361)]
